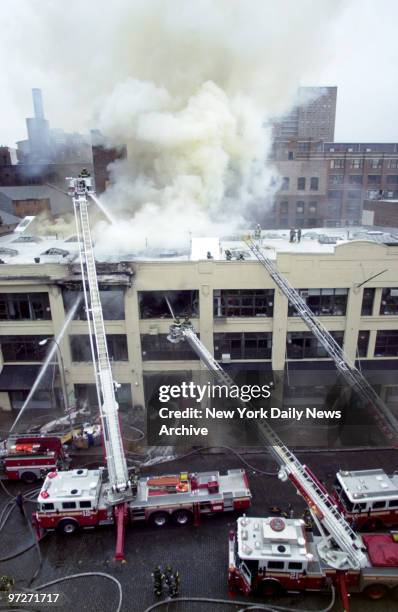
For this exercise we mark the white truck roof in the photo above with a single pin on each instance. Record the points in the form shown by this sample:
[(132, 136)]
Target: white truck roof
[(368, 485), (272, 539), (74, 484)]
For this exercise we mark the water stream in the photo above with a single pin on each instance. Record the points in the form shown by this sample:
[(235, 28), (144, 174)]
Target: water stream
[(103, 208), (51, 352)]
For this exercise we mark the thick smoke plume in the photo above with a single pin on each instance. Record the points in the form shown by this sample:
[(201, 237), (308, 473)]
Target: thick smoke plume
[(187, 86)]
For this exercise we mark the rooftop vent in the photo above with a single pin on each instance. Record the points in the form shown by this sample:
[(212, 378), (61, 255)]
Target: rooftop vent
[(27, 239), (324, 239), (10, 252), (55, 251)]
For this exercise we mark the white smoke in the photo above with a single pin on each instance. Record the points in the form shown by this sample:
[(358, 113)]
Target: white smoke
[(187, 86)]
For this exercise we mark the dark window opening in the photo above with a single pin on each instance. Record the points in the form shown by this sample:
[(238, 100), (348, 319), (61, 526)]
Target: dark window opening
[(86, 396), (301, 183), (156, 347), (85, 504), (387, 343), (24, 306), (243, 302), (23, 348), (363, 342), (304, 345), (314, 183), (323, 302), (153, 304), (243, 345), (68, 505), (276, 565), (112, 300), (367, 301), (389, 302)]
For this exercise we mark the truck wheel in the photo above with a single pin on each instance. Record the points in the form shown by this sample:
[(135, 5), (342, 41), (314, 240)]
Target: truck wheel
[(373, 525), (28, 477), (159, 519), (269, 588), (375, 591), (67, 527), (182, 517)]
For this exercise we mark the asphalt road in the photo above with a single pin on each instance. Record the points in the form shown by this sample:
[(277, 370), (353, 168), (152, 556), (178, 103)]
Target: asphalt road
[(199, 554)]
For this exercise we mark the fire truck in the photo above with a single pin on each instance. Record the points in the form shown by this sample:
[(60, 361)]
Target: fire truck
[(77, 499), (368, 498), (30, 457), (274, 555), (87, 498)]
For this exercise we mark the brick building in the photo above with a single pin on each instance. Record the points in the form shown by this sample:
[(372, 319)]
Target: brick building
[(103, 156), (326, 183)]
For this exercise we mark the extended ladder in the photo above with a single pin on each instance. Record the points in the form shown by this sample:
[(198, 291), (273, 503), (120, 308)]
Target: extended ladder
[(340, 546), (115, 458), (352, 375)]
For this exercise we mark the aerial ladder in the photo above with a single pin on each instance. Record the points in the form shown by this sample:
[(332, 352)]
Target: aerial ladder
[(339, 546), (119, 490), (352, 375)]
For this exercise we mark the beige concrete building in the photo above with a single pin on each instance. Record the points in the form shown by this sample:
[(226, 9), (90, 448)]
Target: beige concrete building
[(233, 304)]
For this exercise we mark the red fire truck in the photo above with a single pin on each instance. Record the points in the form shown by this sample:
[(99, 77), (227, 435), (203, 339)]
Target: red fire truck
[(31, 457), (271, 556), (79, 498), (368, 498)]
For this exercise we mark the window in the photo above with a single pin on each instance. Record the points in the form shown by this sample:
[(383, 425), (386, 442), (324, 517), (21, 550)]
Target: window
[(47, 506), (153, 304), (392, 164), (336, 179), (354, 195), (336, 194), (374, 179), (392, 179), (284, 208), (85, 504), (276, 565), (356, 163), (285, 183), (323, 302), (23, 348), (363, 341), (375, 163), (301, 183), (295, 565), (157, 348), (337, 163), (304, 147), (389, 302), (387, 343), (68, 505), (81, 348), (379, 504), (314, 183), (86, 396), (313, 207), (243, 345), (367, 301), (290, 155), (393, 503), (243, 303), (300, 208), (112, 300), (304, 345), (355, 179), (24, 306)]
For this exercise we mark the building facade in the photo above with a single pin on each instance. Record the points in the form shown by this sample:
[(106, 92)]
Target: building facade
[(234, 306), (326, 184)]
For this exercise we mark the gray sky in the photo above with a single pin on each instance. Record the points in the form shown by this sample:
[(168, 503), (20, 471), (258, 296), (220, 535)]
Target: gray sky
[(360, 56)]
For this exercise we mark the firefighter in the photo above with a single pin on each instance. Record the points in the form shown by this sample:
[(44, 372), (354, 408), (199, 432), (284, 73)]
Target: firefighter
[(158, 578), (299, 234), (228, 255), (19, 502), (292, 235)]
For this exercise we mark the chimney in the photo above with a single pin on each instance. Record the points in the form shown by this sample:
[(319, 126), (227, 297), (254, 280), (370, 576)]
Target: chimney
[(37, 103)]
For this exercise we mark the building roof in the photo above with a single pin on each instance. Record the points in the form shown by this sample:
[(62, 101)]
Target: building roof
[(60, 202), (65, 249)]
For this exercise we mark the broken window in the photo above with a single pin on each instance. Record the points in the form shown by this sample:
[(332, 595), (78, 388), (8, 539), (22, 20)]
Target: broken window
[(363, 341), (153, 304), (24, 306), (367, 301), (86, 396), (323, 302), (304, 345), (243, 345), (243, 302), (156, 347), (81, 348), (387, 343), (389, 302), (112, 300), (23, 348)]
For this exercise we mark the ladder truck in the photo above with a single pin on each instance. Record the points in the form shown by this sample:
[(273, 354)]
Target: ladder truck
[(81, 498), (275, 554), (352, 375)]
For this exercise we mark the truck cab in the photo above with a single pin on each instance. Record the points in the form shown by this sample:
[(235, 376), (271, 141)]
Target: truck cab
[(368, 498)]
